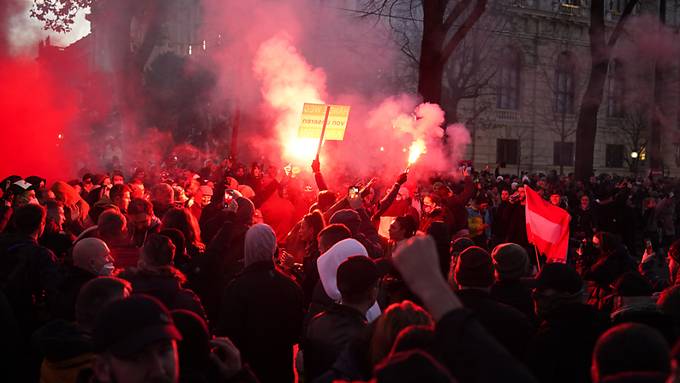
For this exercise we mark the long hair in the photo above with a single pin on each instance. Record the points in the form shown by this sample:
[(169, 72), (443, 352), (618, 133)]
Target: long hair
[(182, 220), (396, 318), (316, 221)]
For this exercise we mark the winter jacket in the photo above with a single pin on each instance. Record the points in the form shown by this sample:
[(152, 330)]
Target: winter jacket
[(262, 313), (164, 283), (29, 277), (65, 349), (562, 348), (506, 324), (516, 294), (326, 335)]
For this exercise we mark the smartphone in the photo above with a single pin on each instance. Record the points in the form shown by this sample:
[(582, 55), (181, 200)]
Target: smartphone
[(353, 192)]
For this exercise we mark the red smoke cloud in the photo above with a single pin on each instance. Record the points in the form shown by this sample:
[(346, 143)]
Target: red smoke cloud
[(34, 112)]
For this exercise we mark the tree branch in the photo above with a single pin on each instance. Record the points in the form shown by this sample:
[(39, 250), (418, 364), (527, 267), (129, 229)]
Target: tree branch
[(627, 11), (455, 13), (469, 22)]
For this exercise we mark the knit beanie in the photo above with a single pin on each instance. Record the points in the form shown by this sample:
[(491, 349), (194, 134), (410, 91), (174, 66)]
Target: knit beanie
[(510, 261), (474, 268)]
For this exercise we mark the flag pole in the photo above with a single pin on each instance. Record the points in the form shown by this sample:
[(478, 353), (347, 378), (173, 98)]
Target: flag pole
[(538, 258), (323, 132)]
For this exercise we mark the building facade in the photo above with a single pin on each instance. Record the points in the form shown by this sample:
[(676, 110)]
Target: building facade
[(525, 119)]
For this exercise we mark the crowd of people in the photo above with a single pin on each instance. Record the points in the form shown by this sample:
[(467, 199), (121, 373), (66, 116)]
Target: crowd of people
[(230, 273)]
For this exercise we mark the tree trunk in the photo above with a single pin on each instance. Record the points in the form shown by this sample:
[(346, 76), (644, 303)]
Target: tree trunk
[(586, 128), (431, 63)]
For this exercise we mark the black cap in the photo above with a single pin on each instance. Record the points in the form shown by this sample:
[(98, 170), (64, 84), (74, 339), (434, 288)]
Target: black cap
[(356, 275), (125, 327), (559, 277)]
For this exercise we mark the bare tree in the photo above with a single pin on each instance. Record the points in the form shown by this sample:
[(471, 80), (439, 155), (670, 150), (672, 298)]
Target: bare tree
[(634, 127), (600, 55), (444, 23)]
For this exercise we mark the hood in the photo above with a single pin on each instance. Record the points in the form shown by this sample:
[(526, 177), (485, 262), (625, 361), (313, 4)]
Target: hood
[(328, 264), (260, 244), (60, 340)]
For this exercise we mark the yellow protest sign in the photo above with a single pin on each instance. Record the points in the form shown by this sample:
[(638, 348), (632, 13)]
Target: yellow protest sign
[(313, 116)]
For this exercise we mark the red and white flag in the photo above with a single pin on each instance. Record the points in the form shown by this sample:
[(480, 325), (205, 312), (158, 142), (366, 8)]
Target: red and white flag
[(547, 227)]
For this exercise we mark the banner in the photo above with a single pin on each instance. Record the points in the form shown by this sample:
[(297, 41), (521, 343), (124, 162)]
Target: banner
[(313, 116)]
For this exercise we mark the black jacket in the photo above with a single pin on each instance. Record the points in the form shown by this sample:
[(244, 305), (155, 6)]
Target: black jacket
[(165, 285), (510, 327), (29, 277), (562, 348), (516, 294), (327, 334), (69, 288), (472, 355), (262, 313)]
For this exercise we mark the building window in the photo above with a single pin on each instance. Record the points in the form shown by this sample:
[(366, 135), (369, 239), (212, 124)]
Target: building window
[(564, 83), (563, 153), (507, 151), (614, 156), (508, 82), (616, 89)]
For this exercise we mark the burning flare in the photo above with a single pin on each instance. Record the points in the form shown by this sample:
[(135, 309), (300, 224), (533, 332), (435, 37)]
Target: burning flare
[(417, 148)]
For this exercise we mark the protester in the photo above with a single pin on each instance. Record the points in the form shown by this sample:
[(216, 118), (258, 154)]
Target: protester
[(263, 306)]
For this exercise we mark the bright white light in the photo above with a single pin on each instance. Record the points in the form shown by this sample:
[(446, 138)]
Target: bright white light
[(634, 155), (24, 31)]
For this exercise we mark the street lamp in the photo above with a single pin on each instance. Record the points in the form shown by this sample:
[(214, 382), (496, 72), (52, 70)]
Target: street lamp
[(634, 155)]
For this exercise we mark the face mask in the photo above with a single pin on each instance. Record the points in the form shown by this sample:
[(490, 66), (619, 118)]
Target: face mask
[(106, 270)]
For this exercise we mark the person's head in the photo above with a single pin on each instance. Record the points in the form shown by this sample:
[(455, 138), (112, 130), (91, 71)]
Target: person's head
[(555, 199), (140, 214), (93, 255), (403, 227), (522, 194), (120, 196), (430, 203), (30, 220), (630, 349), (55, 214), (585, 202), (95, 294), (245, 211), (557, 284), (260, 244), (135, 340), (118, 178), (311, 226), (256, 170), (357, 279), (177, 239), (606, 242), (349, 218), (206, 193), (674, 253), (112, 226), (325, 200), (474, 269), (182, 220), (332, 234), (87, 183), (511, 261), (396, 317), (505, 195), (158, 251), (163, 194)]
